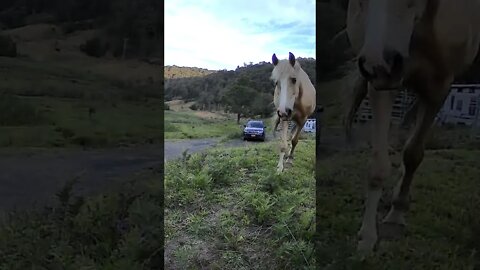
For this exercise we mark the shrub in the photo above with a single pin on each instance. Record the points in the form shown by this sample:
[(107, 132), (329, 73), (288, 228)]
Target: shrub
[(16, 112), (94, 47), (8, 47), (194, 107)]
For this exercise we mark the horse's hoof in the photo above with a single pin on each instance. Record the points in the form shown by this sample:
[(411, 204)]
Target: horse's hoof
[(392, 231), (279, 169), (288, 163), (365, 248)]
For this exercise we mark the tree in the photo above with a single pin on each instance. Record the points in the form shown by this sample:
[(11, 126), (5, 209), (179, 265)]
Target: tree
[(262, 105), (239, 98)]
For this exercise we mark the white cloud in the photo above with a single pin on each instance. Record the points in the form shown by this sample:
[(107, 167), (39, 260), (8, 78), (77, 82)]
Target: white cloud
[(218, 34)]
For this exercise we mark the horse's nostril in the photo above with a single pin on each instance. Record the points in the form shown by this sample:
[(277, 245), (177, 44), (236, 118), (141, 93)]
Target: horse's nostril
[(361, 60), (278, 113), (289, 112), (397, 63), (363, 71)]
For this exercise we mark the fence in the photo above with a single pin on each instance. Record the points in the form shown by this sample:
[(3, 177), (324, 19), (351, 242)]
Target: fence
[(403, 100)]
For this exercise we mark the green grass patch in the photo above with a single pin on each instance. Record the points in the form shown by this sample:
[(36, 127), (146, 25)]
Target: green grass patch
[(443, 221), (68, 122), (227, 209), (186, 125)]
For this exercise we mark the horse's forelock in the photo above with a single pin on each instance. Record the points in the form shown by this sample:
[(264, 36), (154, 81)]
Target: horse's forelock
[(283, 68)]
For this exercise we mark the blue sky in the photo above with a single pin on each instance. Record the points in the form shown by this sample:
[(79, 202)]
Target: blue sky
[(221, 34)]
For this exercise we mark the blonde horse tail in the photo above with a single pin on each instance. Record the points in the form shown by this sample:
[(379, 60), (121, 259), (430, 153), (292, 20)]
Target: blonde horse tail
[(360, 90)]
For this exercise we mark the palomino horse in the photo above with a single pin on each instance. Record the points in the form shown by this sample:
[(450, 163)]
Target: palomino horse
[(294, 99), (419, 45)]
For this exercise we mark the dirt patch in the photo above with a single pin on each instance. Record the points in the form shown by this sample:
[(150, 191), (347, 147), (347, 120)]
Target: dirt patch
[(210, 115), (179, 105)]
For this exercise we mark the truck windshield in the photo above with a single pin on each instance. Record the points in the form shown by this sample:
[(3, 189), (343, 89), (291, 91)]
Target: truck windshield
[(255, 124)]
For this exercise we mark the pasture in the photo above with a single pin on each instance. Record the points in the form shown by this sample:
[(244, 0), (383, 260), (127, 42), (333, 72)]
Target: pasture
[(192, 125), (50, 105), (227, 209), (443, 222)]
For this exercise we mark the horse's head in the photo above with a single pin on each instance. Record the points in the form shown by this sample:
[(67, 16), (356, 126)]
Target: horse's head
[(380, 32), (287, 85)]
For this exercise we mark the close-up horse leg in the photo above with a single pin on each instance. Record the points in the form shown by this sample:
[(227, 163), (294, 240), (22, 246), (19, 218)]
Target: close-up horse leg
[(283, 146), (360, 90), (381, 102), (276, 122), (295, 137), (394, 223)]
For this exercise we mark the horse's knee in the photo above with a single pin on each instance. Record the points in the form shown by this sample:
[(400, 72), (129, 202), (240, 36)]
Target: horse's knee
[(380, 171)]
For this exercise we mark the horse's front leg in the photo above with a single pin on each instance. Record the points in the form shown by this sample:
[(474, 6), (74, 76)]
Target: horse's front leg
[(276, 122), (295, 137), (283, 146), (381, 102)]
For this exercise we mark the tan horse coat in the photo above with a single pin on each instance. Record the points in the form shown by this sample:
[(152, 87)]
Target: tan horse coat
[(293, 91), (420, 45)]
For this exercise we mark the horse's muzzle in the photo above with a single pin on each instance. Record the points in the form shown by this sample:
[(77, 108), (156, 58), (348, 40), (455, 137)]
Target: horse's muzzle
[(286, 115)]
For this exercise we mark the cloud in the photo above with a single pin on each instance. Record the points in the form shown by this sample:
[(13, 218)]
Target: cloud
[(218, 34)]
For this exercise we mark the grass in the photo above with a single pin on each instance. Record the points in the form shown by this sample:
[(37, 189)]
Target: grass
[(119, 229), (443, 222), (48, 104), (66, 122), (187, 125), (227, 209)]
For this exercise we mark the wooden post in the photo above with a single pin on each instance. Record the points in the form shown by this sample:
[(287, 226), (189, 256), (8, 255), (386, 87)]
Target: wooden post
[(475, 125), (125, 40)]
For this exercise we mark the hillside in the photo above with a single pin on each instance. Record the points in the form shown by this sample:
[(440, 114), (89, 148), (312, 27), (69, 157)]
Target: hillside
[(174, 72), (55, 94), (216, 90)]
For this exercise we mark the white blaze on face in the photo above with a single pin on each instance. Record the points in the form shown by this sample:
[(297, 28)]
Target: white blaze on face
[(283, 96), (285, 88)]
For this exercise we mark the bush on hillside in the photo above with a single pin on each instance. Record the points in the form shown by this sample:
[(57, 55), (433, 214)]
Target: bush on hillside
[(14, 111), (94, 47), (8, 47)]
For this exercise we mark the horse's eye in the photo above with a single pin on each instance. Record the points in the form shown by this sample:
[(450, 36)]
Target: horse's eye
[(294, 81)]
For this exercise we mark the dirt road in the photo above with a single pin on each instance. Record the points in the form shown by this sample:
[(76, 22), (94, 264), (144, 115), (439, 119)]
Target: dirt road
[(33, 177)]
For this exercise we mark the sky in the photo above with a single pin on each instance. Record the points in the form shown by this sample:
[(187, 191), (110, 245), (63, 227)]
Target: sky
[(224, 34)]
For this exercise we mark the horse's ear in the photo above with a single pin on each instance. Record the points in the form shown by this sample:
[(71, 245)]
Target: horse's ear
[(274, 60), (291, 59)]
